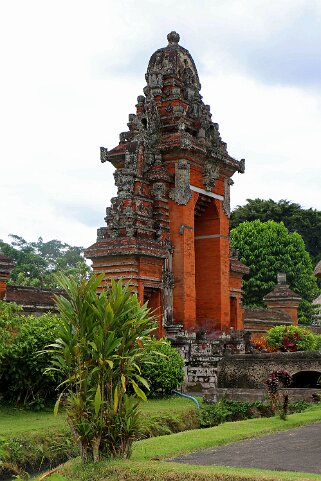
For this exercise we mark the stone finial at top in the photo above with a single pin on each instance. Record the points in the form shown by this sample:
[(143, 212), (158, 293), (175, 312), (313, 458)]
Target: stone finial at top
[(173, 37), (281, 278)]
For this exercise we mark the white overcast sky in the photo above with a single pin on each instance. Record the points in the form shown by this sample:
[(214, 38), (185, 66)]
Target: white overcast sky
[(71, 71)]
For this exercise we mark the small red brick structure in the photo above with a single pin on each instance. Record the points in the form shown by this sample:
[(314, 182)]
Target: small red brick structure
[(167, 230), (282, 298), (6, 266), (32, 300)]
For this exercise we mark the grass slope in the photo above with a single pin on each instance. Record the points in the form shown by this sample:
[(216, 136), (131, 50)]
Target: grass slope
[(148, 463), (32, 441), (17, 421)]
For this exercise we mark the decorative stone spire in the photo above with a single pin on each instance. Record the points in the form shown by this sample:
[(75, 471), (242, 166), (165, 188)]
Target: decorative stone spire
[(173, 37)]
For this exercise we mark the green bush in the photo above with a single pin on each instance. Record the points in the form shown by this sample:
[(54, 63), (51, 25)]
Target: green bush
[(225, 410), (162, 366), (317, 338), (22, 377), (291, 339)]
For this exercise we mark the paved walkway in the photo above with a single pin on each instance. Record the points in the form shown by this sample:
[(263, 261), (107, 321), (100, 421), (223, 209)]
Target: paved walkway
[(297, 449)]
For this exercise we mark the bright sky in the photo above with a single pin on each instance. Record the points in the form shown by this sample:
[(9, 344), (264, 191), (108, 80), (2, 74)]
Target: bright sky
[(71, 71)]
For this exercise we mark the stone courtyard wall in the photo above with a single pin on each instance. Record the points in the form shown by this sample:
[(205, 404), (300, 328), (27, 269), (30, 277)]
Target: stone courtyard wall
[(251, 371)]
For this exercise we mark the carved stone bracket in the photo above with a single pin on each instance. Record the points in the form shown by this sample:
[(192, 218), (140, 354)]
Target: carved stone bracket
[(211, 173), (181, 193), (227, 196), (103, 154)]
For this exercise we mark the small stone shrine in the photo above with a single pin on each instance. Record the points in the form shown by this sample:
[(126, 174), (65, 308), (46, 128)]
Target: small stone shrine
[(167, 231)]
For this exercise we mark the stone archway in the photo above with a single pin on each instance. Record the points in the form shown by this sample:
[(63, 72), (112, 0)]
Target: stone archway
[(207, 262)]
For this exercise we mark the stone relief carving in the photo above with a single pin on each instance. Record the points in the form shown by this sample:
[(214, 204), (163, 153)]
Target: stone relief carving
[(227, 196), (186, 140), (131, 160), (124, 180), (181, 193), (158, 190), (101, 233), (211, 172), (168, 279)]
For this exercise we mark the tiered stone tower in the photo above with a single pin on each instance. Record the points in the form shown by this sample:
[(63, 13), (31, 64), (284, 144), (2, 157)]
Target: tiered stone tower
[(167, 230)]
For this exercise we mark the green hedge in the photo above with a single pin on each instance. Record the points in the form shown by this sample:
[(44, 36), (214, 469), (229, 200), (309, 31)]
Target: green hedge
[(22, 378), (162, 366)]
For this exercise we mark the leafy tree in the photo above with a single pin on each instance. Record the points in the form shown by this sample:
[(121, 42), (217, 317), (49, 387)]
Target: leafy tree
[(162, 366), (268, 248), (306, 222), (38, 262), (99, 343)]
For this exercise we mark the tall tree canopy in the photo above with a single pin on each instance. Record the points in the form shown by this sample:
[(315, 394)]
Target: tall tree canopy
[(306, 222), (37, 262), (268, 248)]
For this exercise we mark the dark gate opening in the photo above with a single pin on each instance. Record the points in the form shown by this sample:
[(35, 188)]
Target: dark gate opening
[(306, 379)]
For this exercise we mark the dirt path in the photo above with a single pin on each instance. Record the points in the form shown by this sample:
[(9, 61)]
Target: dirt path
[(297, 449)]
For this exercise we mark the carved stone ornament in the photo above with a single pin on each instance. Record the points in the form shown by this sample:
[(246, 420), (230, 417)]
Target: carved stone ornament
[(158, 190), (211, 173), (242, 166), (124, 180), (130, 160), (103, 154), (181, 193), (101, 233), (168, 279), (227, 196)]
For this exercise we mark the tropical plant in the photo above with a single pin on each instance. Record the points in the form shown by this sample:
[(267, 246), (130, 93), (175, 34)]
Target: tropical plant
[(268, 248), (162, 366), (99, 344)]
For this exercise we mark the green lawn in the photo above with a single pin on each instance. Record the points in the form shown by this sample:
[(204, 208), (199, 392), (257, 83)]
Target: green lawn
[(16, 421), (149, 457)]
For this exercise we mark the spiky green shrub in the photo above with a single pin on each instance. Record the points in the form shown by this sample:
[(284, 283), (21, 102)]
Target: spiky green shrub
[(100, 340)]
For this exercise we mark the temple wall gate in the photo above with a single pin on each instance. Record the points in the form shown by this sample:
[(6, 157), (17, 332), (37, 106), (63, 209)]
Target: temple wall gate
[(167, 230)]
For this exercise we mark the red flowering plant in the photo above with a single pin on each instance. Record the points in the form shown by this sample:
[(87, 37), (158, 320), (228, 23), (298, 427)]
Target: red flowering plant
[(291, 339), (279, 378), (260, 344)]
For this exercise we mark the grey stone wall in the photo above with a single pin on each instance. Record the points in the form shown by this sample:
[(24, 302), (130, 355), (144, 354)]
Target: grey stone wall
[(251, 371)]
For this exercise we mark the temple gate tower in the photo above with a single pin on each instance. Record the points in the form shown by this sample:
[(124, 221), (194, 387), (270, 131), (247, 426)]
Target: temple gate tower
[(167, 230)]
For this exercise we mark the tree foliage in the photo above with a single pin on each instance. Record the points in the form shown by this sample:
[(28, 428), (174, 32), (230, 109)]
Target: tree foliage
[(38, 262), (306, 222), (99, 343), (162, 366), (268, 248)]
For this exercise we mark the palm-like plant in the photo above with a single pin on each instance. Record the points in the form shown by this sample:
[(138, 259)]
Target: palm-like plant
[(100, 340)]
